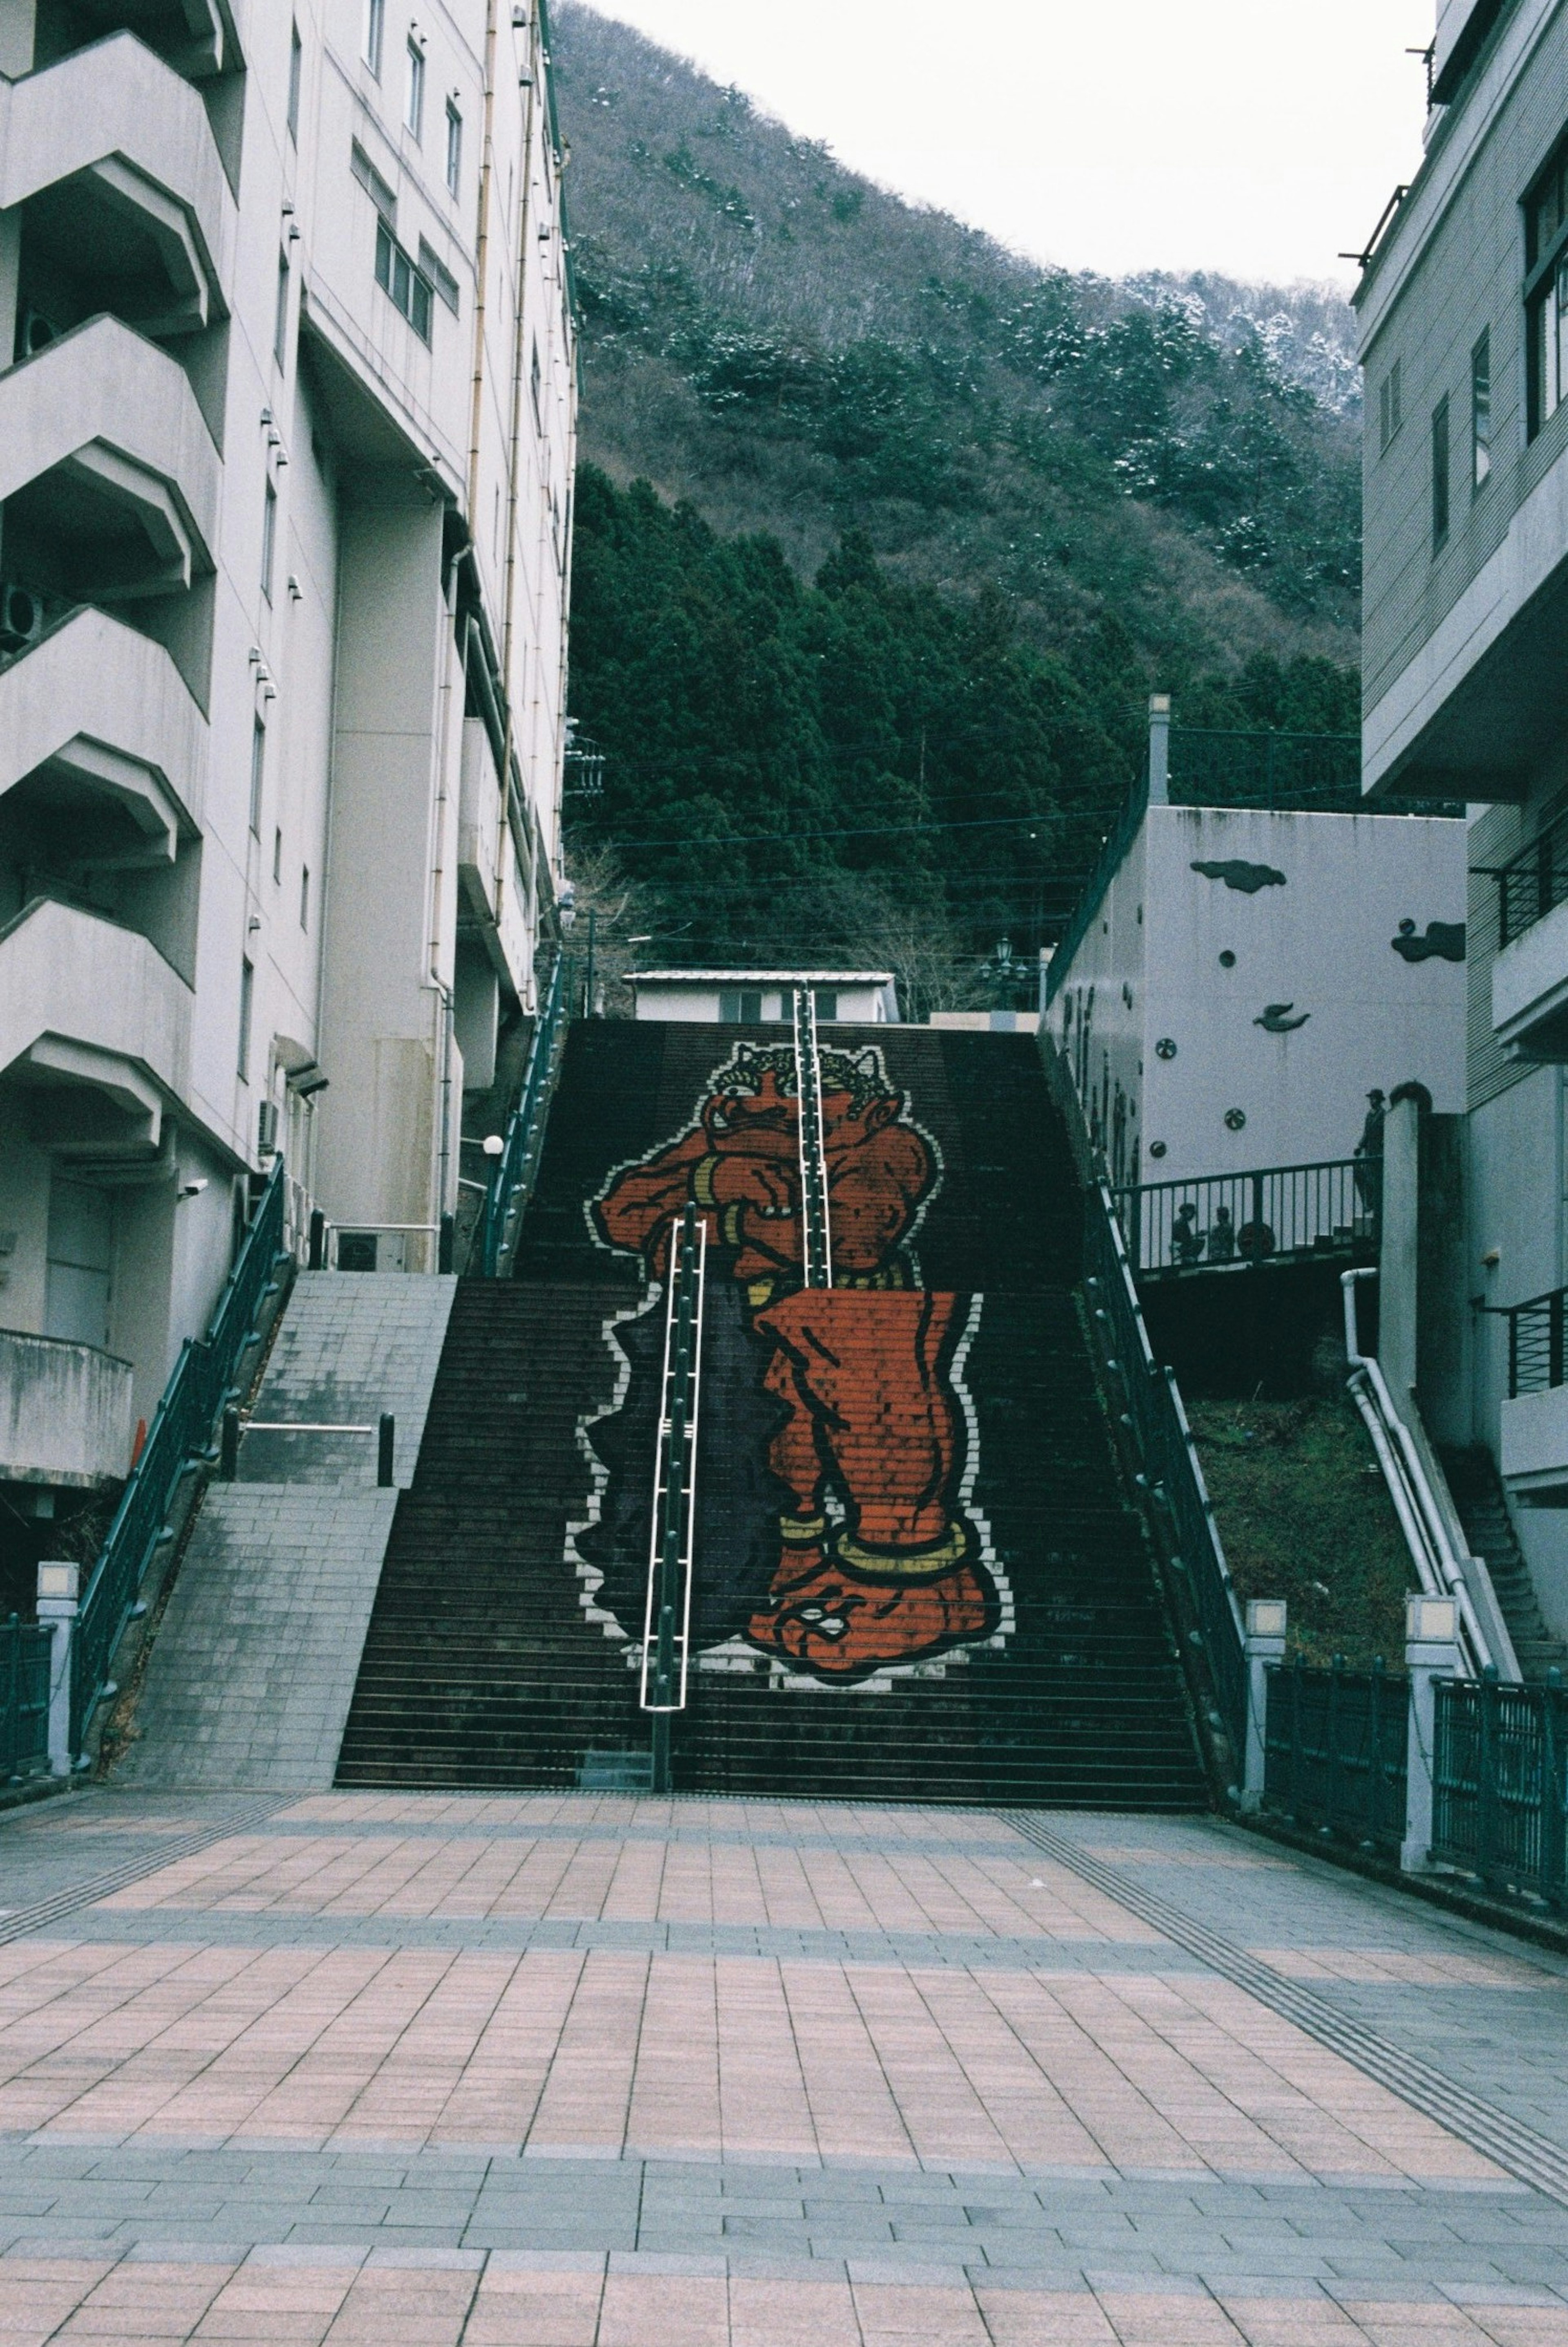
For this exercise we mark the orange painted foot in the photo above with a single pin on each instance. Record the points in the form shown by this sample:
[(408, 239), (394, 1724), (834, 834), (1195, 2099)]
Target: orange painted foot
[(823, 1618)]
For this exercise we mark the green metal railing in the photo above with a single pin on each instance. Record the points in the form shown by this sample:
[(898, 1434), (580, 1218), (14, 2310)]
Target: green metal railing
[(1336, 1745), (24, 1651), (182, 1427), (1500, 1784), (512, 1174), (1277, 1211)]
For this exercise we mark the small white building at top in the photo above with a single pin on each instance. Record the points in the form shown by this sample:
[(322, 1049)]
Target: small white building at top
[(763, 997)]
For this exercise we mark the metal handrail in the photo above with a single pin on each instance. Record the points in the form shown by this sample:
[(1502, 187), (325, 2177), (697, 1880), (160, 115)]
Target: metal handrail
[(1442, 1569), (512, 1175), (202, 1382), (1536, 1342), (667, 1616), (1251, 1217), (1533, 883), (816, 1236)]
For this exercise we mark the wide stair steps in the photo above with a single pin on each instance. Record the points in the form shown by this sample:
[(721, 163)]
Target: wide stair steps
[(483, 1668)]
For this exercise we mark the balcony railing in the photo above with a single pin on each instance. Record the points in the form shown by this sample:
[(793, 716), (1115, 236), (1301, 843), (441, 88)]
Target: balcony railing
[(1535, 1333), (1500, 1784), (1532, 883), (1289, 1213)]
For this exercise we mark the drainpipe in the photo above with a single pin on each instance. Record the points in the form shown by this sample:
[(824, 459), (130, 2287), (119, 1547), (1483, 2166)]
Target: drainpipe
[(481, 265), (508, 611)]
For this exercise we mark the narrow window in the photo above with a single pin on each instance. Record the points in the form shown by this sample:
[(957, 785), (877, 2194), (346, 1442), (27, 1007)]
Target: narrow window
[(827, 1004), (414, 109), (305, 897), (247, 988), (1391, 405), (1481, 412), (296, 69), (374, 34), (1547, 291), (278, 858), (536, 381), (280, 320), (258, 769), (268, 539), (409, 287), (1441, 473), (453, 149)]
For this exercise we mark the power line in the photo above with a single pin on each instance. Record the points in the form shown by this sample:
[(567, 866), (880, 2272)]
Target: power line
[(868, 831)]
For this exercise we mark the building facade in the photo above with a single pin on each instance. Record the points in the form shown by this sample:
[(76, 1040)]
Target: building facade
[(1464, 334), (286, 454)]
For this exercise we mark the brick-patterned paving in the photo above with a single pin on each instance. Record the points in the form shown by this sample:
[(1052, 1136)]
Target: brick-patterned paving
[(804, 2074)]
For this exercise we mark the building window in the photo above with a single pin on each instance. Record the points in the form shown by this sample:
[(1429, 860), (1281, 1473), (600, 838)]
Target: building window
[(281, 322), (269, 539), (247, 989), (431, 265), (826, 1004), (536, 381), (278, 858), (305, 897), (407, 287), (740, 1007), (258, 770), (1546, 288), (453, 149), (1391, 406), (296, 69), (414, 107), (375, 186), (1479, 412), (374, 34), (1440, 475)]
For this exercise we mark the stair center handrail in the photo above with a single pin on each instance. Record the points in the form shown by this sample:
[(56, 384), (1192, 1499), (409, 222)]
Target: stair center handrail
[(816, 1236), (667, 1616), (1439, 1567), (512, 1174)]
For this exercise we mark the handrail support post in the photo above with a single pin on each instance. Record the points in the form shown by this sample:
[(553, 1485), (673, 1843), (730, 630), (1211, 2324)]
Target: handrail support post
[(1432, 1653), (58, 1587), (1267, 1619)]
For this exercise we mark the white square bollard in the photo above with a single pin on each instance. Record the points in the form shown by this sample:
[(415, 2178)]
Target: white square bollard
[(57, 1585), (1432, 1653), (1267, 1620)]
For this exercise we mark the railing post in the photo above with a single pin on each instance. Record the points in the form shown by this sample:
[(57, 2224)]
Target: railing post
[(1555, 1339), (1266, 1619), (1488, 1856), (1159, 749), (1553, 1825), (1432, 1653), (1513, 1357), (317, 1258), (385, 1449), (58, 1587), (228, 1446)]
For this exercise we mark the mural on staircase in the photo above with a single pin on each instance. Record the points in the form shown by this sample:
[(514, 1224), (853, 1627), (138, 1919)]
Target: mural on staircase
[(836, 1529)]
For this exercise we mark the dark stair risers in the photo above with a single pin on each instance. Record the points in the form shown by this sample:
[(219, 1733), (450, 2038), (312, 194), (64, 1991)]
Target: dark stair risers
[(1477, 1495), (482, 1668)]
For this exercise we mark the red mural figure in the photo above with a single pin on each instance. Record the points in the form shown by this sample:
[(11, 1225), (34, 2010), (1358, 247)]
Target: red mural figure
[(876, 1561)]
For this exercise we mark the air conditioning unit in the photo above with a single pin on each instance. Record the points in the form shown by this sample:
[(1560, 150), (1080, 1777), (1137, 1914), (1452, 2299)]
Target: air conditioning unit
[(21, 618), (267, 1128)]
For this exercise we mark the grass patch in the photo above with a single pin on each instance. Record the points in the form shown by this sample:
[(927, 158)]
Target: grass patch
[(1305, 1515)]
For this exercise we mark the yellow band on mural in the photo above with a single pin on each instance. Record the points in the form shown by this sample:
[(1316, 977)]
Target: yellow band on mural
[(911, 1564)]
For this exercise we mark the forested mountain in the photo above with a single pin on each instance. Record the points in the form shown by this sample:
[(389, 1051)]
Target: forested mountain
[(945, 517)]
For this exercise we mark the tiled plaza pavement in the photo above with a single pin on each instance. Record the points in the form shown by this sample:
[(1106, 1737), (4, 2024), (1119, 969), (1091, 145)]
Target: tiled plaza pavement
[(593, 2072)]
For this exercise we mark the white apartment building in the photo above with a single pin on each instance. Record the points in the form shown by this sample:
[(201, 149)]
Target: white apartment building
[(1464, 336), (286, 455)]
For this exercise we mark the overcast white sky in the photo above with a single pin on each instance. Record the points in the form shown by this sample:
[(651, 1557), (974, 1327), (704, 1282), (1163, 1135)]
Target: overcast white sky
[(1256, 137)]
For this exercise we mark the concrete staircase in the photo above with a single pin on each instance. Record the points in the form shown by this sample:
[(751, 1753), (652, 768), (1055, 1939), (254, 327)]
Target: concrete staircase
[(1478, 1494), (248, 1678), (494, 1658)]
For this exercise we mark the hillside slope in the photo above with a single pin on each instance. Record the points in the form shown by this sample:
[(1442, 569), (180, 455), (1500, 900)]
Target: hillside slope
[(793, 350)]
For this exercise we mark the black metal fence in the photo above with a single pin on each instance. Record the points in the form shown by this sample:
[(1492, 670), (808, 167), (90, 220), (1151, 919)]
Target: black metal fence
[(1500, 1784), (1335, 1752), (1535, 1344), (1278, 1211), (1533, 883), (24, 1699), (1319, 773)]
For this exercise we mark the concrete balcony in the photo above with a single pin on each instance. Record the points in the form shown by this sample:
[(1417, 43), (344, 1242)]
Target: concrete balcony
[(195, 36), (94, 1031), (108, 470), (64, 1413), (1535, 1447), (97, 728), (1529, 990), (111, 153)]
